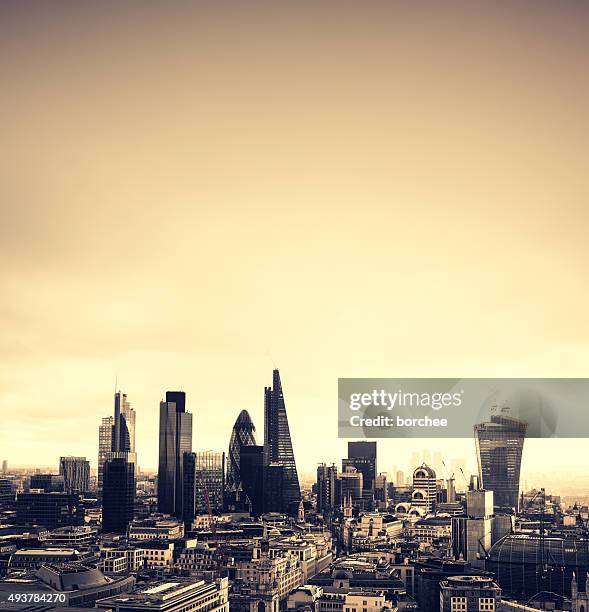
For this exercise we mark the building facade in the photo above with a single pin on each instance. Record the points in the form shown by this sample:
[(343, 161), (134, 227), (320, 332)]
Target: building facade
[(277, 441), (118, 495), (175, 439), (499, 446), (76, 474)]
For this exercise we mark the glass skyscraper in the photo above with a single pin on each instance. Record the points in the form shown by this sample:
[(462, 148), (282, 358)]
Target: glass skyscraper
[(116, 435), (277, 442), (118, 496), (499, 445), (242, 435), (76, 474), (175, 439)]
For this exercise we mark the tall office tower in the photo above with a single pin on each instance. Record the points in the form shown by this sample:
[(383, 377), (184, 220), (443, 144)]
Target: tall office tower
[(118, 495), (326, 489), (116, 435), (104, 444), (210, 481), (123, 433), (362, 456), (175, 439), (499, 445), (351, 485), (5, 467), (189, 475), (400, 478), (76, 474), (381, 494), (472, 535), (242, 435), (251, 468), (425, 488), (277, 442), (274, 481)]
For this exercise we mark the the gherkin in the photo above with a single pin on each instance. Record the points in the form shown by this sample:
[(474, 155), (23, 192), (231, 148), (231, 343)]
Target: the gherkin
[(242, 435)]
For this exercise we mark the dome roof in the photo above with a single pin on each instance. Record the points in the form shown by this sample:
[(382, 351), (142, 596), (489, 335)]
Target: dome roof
[(424, 471)]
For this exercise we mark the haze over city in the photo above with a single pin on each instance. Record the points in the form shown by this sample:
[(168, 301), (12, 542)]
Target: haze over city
[(192, 194)]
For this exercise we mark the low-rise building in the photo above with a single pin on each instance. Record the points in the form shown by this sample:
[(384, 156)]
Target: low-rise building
[(158, 554), (66, 584), (158, 528), (177, 595), (34, 558), (462, 593), (121, 558)]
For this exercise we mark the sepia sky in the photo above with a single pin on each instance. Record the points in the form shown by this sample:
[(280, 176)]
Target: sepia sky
[(192, 193)]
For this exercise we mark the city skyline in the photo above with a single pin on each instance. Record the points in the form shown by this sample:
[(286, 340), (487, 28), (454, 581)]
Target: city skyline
[(377, 190), (432, 452), (231, 232)]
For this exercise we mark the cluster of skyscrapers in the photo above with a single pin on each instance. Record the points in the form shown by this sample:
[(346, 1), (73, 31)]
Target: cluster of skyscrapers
[(257, 479)]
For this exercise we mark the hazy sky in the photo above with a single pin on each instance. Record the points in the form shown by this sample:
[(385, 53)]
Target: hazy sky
[(194, 192)]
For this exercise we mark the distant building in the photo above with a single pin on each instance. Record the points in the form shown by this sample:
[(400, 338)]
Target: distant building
[(463, 593), (34, 558), (252, 477), (326, 487), (362, 456), (542, 564), (472, 535), (49, 509), (116, 435), (158, 554), (274, 488), (278, 443), (73, 536), (351, 485), (71, 584), (48, 483), (210, 481), (381, 494), (7, 493), (4, 466), (104, 444), (156, 528), (262, 583), (76, 474), (118, 495), (425, 488), (579, 598), (120, 558), (499, 445), (175, 439), (177, 595)]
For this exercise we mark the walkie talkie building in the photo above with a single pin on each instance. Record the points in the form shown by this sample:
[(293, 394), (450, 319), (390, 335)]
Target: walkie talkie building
[(499, 445)]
